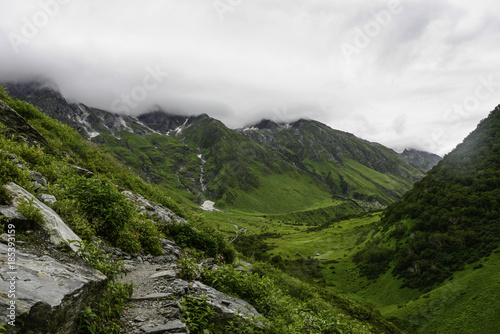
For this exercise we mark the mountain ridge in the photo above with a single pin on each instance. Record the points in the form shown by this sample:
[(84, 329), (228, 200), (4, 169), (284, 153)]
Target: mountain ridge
[(305, 157)]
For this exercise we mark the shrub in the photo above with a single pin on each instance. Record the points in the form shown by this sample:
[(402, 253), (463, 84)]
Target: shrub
[(188, 236), (103, 204), (5, 198), (30, 211), (149, 236)]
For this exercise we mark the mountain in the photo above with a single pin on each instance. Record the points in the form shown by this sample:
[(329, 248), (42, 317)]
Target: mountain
[(429, 262), (267, 168), (453, 212), (422, 159), (349, 166), (440, 242), (55, 185)]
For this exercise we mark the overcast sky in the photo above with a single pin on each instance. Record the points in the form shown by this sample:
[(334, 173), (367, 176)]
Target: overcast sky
[(406, 74)]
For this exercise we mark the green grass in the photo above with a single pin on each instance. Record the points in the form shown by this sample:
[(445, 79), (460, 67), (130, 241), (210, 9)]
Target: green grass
[(468, 304), (280, 193)]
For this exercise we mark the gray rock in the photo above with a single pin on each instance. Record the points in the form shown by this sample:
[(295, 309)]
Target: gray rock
[(170, 312), (49, 295), (179, 287), (171, 327), (227, 307), (166, 273), (48, 199), (15, 217), (153, 296), (83, 172), (243, 266), (153, 210), (4, 237), (58, 231), (38, 178)]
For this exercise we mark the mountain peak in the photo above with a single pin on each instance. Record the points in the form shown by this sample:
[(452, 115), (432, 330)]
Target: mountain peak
[(422, 159)]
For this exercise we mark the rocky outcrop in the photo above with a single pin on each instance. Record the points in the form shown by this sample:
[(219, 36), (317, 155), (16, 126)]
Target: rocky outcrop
[(153, 210), (424, 160), (227, 307), (16, 124), (48, 295), (58, 231)]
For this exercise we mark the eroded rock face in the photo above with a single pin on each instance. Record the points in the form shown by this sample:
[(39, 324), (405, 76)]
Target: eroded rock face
[(16, 124), (58, 231), (152, 209), (49, 295)]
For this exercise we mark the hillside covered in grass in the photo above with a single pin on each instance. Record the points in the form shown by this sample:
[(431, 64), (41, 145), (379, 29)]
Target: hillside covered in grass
[(278, 169), (95, 207)]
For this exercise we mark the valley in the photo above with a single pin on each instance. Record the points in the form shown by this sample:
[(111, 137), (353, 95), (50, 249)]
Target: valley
[(350, 217)]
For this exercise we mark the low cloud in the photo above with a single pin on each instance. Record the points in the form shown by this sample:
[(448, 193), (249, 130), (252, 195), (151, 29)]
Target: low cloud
[(266, 59)]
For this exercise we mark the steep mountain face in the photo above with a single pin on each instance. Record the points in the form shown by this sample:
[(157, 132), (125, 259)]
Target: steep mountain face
[(424, 160), (267, 168), (451, 216), (90, 122), (349, 166)]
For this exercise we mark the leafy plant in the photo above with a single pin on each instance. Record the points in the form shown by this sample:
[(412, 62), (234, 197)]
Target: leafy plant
[(198, 314), (103, 315), (102, 203), (189, 269), (30, 211)]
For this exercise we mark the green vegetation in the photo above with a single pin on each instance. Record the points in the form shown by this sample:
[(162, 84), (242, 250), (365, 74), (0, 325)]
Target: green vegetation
[(428, 262), (454, 211), (30, 211), (95, 207), (104, 313), (287, 305)]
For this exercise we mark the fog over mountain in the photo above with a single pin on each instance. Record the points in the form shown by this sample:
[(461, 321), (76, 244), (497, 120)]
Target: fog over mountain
[(413, 73)]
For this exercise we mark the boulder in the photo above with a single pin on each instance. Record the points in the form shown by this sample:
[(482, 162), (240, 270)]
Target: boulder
[(227, 307), (48, 295), (15, 217), (58, 231), (152, 210), (48, 199), (38, 178)]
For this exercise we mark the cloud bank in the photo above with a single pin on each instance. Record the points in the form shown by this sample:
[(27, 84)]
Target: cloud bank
[(406, 74)]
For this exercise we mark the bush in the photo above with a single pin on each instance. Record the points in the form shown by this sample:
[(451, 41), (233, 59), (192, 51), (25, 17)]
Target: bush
[(30, 211), (149, 236), (188, 236), (102, 204), (373, 260)]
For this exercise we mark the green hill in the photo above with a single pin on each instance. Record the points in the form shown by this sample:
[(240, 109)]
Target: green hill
[(95, 208), (300, 167)]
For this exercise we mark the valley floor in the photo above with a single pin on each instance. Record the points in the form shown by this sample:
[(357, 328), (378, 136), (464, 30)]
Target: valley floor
[(467, 303)]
